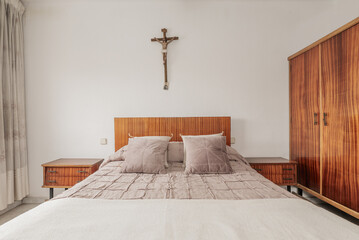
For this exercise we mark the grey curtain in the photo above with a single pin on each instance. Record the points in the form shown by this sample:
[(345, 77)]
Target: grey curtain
[(14, 184)]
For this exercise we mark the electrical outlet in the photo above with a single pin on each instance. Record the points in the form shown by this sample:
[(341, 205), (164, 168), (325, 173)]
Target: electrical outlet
[(103, 141), (233, 140)]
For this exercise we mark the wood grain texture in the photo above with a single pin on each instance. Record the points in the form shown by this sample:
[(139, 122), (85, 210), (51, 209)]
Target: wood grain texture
[(279, 173), (330, 35), (321, 123), (304, 124), (72, 162), (340, 92), (61, 182), (65, 173), (268, 160), (330, 201), (163, 126)]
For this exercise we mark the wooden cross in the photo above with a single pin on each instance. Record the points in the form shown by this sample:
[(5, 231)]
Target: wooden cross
[(164, 42)]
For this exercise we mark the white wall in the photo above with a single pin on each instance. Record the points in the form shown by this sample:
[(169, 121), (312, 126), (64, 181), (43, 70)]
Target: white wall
[(90, 61)]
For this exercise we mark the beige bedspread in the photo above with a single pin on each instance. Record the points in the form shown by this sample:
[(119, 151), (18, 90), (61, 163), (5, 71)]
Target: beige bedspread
[(109, 183), (172, 219)]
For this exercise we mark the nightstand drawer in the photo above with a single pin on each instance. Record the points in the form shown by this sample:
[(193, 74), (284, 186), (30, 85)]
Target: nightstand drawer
[(267, 169), (281, 179), (275, 168), (63, 181), (288, 169), (289, 179), (67, 172)]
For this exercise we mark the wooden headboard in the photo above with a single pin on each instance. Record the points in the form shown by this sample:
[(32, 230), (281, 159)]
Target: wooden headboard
[(165, 126)]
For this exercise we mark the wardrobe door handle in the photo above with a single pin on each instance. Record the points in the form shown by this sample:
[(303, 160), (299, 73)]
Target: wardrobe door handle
[(325, 115), (315, 118)]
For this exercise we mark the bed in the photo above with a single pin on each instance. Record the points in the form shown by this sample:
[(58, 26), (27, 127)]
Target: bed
[(111, 204)]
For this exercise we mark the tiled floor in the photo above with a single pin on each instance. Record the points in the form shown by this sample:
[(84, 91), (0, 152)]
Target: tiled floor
[(16, 212), (25, 207), (334, 210), (327, 206)]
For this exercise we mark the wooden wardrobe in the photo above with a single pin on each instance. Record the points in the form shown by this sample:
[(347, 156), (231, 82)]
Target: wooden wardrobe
[(324, 117)]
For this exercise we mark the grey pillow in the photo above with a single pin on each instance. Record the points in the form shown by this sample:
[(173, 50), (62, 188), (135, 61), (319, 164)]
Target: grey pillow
[(145, 155), (184, 143), (206, 155), (175, 152), (159, 138)]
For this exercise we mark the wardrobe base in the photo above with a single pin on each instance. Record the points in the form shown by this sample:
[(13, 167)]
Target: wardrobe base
[(329, 201)]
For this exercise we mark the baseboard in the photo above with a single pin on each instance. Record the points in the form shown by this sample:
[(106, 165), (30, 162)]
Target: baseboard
[(37, 200), (10, 206), (331, 202)]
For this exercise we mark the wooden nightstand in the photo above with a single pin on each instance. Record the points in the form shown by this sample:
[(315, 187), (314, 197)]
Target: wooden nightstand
[(281, 171), (66, 172)]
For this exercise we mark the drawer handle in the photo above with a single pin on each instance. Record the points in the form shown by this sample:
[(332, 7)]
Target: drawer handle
[(82, 171), (51, 181), (287, 178), (51, 171), (315, 118), (287, 169), (325, 115)]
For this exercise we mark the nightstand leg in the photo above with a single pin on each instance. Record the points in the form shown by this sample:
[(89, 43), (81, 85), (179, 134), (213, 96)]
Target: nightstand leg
[(300, 192), (289, 189), (66, 189), (51, 193)]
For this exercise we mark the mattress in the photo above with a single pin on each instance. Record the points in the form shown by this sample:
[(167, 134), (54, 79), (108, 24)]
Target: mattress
[(109, 183)]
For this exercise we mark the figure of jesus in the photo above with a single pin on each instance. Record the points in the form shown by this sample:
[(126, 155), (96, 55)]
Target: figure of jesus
[(164, 42)]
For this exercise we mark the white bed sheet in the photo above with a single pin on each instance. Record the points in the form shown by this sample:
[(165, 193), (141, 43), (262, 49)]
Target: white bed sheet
[(99, 219)]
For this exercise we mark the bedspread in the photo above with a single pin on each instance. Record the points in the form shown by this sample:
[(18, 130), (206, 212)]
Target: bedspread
[(109, 183), (157, 219)]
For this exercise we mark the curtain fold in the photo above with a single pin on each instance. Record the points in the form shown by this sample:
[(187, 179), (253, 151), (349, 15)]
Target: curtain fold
[(14, 183)]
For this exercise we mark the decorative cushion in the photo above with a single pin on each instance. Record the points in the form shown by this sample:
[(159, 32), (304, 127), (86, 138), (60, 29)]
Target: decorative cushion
[(184, 144), (165, 138), (206, 155), (145, 155)]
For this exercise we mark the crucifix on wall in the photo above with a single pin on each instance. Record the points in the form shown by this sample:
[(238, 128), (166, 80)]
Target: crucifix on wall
[(164, 42)]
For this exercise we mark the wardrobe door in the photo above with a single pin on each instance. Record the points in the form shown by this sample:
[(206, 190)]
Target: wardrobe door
[(304, 117), (340, 91)]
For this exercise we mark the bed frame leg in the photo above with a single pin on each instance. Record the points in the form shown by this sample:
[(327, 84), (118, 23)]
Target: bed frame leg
[(289, 189)]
